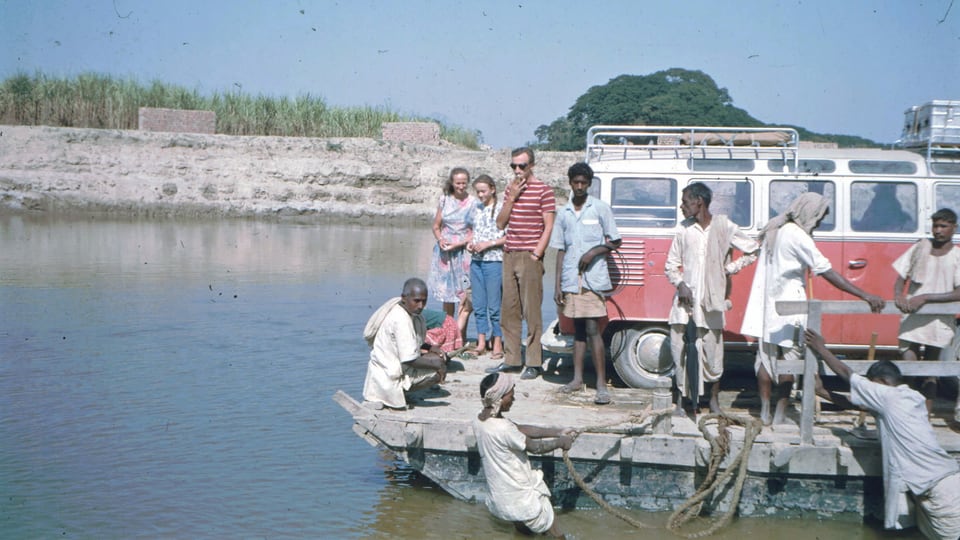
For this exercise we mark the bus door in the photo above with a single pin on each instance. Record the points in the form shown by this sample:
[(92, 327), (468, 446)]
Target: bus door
[(884, 221), (782, 192)]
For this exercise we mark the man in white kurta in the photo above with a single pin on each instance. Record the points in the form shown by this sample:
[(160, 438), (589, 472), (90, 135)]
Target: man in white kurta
[(929, 272), (941, 275), (787, 252), (517, 491), (914, 463), (780, 275), (698, 264), (913, 460), (397, 363)]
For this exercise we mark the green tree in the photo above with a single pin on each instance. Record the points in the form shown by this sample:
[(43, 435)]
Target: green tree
[(672, 97)]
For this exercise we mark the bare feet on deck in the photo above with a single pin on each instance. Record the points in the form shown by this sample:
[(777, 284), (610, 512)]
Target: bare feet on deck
[(765, 412), (780, 415), (715, 406)]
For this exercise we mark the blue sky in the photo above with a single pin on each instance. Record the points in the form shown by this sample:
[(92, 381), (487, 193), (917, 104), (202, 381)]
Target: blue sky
[(504, 68)]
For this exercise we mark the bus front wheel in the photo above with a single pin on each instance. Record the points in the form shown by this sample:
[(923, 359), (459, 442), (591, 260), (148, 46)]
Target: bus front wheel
[(642, 356)]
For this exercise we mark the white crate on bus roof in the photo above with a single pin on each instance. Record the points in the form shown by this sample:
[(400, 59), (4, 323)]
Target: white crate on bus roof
[(935, 123)]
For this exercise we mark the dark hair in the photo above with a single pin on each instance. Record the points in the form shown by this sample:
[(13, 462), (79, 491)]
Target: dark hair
[(487, 383), (523, 150), (580, 169), (885, 370), (448, 186), (485, 179), (413, 285), (699, 190), (944, 214)]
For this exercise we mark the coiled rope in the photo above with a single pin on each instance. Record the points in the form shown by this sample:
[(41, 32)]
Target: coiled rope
[(719, 448), (636, 419)]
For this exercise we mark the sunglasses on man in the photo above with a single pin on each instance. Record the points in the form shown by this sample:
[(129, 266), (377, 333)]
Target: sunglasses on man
[(521, 166)]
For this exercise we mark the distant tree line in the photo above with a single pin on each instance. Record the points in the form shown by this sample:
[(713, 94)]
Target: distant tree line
[(673, 97), (94, 100)]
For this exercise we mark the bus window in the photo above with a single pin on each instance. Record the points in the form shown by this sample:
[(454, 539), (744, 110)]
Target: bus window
[(809, 166), (783, 192), (883, 207), (723, 165), (946, 168), (644, 202), (947, 196), (869, 166), (733, 199)]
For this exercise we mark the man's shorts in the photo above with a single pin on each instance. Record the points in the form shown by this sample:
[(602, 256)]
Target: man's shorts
[(584, 305), (544, 520)]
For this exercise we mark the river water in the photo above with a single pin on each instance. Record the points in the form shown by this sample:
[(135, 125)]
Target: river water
[(174, 379)]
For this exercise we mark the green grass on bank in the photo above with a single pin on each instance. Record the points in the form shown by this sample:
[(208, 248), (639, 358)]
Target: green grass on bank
[(93, 100)]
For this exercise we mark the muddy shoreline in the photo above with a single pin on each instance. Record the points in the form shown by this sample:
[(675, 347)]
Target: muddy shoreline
[(120, 173)]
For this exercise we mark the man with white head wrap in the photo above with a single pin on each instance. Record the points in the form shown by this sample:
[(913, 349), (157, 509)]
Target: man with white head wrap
[(517, 491), (787, 253)]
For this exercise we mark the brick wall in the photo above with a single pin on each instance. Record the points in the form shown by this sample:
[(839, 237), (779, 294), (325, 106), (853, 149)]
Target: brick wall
[(412, 132), (177, 120)]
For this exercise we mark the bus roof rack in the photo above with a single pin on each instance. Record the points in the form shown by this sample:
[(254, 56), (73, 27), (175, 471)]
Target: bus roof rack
[(691, 142), (933, 130)]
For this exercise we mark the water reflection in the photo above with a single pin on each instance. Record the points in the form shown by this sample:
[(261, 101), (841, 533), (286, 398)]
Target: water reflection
[(173, 379)]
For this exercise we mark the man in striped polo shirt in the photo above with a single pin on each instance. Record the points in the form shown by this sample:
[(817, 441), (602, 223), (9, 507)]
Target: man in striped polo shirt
[(528, 213)]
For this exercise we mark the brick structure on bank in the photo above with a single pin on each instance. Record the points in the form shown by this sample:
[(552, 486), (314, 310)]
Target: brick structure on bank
[(177, 120), (412, 132)]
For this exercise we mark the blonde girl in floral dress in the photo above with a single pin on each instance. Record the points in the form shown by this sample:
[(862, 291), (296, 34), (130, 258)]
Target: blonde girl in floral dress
[(449, 278)]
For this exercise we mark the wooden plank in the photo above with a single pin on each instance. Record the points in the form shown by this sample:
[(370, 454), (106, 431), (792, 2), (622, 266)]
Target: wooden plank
[(856, 307), (807, 410), (916, 368)]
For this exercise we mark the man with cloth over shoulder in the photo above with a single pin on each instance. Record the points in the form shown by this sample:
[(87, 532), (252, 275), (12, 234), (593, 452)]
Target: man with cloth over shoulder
[(400, 360), (699, 264), (928, 272), (584, 233), (914, 463)]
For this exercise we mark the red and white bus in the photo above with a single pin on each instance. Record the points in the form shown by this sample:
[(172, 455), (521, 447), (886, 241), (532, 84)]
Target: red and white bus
[(880, 204)]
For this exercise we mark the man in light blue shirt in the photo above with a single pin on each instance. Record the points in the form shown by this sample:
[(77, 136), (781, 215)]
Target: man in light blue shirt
[(583, 234)]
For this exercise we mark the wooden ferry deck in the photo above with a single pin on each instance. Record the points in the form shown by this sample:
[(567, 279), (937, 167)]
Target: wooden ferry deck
[(655, 464)]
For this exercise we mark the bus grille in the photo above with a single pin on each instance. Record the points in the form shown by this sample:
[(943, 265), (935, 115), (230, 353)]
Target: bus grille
[(628, 264)]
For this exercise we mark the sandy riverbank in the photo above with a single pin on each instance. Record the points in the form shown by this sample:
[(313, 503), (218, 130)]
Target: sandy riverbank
[(61, 170)]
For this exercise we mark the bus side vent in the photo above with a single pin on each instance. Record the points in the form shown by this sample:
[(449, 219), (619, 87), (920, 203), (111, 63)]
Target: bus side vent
[(628, 264)]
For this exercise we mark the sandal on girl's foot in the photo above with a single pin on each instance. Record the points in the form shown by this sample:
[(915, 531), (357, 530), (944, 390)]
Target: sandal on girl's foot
[(602, 397), (571, 387), (496, 356)]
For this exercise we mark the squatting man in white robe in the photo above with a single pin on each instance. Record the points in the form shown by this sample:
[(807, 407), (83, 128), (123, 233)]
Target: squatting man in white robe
[(517, 491), (787, 251), (916, 469), (400, 359)]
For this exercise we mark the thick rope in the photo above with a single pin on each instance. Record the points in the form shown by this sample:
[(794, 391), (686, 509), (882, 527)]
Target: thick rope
[(637, 418), (720, 446)]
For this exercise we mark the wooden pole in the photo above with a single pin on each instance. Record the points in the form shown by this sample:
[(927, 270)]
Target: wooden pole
[(871, 355)]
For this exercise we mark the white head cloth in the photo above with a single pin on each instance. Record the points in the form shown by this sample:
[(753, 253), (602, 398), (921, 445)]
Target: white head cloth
[(806, 210), (494, 395)]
